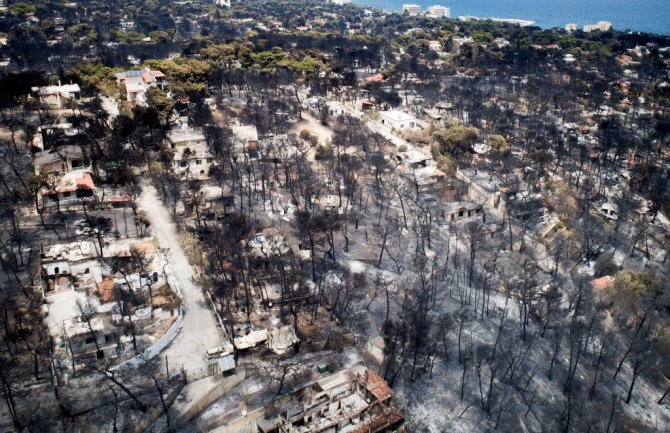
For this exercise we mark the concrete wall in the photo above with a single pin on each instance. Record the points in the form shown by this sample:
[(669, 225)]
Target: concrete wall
[(213, 395), (492, 201), (165, 339)]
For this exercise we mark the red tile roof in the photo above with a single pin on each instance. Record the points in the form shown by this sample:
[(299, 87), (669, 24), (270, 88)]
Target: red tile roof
[(72, 182), (148, 77), (106, 290), (377, 78), (120, 199), (375, 384), (85, 182)]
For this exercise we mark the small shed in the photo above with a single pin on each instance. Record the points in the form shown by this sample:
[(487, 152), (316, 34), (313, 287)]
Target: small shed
[(397, 119), (226, 363)]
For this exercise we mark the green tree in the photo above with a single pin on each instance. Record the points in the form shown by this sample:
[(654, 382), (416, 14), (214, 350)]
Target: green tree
[(456, 140), (163, 104)]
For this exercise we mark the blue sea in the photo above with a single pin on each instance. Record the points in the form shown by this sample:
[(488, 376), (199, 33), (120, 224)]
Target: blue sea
[(638, 15)]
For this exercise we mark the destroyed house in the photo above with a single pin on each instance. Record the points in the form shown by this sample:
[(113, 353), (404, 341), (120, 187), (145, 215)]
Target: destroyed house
[(57, 135), (69, 267), (419, 167), (415, 159), (192, 162), (527, 209), (57, 96), (462, 210), (192, 158), (455, 190), (246, 141), (61, 159), (348, 401), (219, 202), (429, 179), (93, 338)]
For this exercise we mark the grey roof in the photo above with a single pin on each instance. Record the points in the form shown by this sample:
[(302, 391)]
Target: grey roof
[(134, 73), (226, 363), (56, 154)]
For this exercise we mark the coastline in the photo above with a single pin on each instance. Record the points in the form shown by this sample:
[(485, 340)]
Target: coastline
[(645, 16)]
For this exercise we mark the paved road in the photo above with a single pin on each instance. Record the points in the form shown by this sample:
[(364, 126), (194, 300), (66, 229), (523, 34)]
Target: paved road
[(199, 331)]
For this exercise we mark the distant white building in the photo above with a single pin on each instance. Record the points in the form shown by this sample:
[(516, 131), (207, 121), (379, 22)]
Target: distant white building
[(603, 26), (571, 27), (397, 120), (435, 46), (138, 82), (437, 11), (411, 8), (340, 2), (458, 40), (501, 42)]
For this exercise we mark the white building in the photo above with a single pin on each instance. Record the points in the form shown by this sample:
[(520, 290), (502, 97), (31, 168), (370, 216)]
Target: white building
[(412, 9), (571, 27), (437, 11), (397, 120), (340, 2), (192, 162), (603, 26), (192, 158)]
